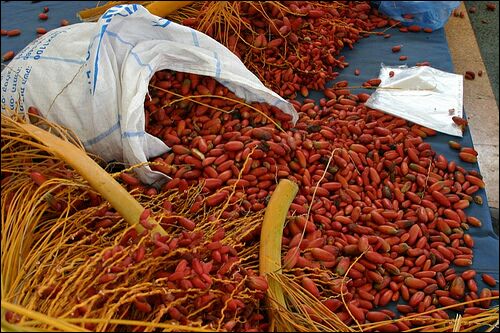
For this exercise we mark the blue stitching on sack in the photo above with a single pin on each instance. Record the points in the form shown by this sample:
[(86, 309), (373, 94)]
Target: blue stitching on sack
[(72, 61), (122, 15), (195, 38), (163, 25), (96, 63), (217, 65), (133, 134), (129, 11), (108, 16), (114, 34), (103, 135)]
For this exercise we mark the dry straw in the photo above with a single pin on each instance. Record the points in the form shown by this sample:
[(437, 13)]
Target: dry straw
[(52, 255), (52, 258)]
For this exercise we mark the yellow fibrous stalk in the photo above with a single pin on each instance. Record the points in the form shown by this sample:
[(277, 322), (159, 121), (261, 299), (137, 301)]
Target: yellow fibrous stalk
[(96, 176), (270, 243)]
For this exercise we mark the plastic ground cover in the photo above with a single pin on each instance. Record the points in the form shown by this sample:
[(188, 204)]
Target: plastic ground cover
[(367, 56)]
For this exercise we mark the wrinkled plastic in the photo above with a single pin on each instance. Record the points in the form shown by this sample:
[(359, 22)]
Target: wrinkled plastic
[(422, 95), (427, 14)]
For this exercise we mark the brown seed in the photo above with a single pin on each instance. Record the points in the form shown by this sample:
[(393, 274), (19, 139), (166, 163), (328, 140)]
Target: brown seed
[(8, 55), (459, 120), (374, 257), (142, 306), (415, 283), (489, 280), (403, 308), (258, 282), (468, 240), (462, 262), (416, 298), (342, 266), (414, 28), (365, 295), (356, 312), (485, 292), (374, 82), (13, 32), (473, 179), (454, 145), (403, 58), (385, 297), (457, 288), (290, 259), (234, 146), (491, 6), (468, 274), (448, 301), (43, 16), (375, 316), (470, 75), (323, 255), (106, 278), (64, 22), (474, 221), (423, 63), (430, 289), (472, 9), (311, 287), (467, 157), (396, 48)]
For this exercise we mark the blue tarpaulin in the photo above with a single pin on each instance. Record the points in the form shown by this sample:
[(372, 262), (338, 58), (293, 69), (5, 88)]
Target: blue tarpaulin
[(367, 56)]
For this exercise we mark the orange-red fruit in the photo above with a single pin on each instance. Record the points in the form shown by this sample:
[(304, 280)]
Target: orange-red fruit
[(8, 55), (467, 157), (457, 288), (396, 48), (454, 145), (414, 28), (489, 280), (14, 32)]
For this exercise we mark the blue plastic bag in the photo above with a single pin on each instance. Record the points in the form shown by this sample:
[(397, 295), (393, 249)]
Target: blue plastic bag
[(426, 14)]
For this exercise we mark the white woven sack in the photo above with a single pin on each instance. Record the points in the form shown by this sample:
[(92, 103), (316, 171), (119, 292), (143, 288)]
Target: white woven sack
[(93, 77)]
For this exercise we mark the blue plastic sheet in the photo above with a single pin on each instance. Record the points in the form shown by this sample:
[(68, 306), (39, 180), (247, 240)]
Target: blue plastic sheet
[(24, 15), (366, 56), (427, 14)]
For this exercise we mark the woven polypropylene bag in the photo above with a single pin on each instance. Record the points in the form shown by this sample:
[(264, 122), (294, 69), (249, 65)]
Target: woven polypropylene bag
[(93, 77)]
